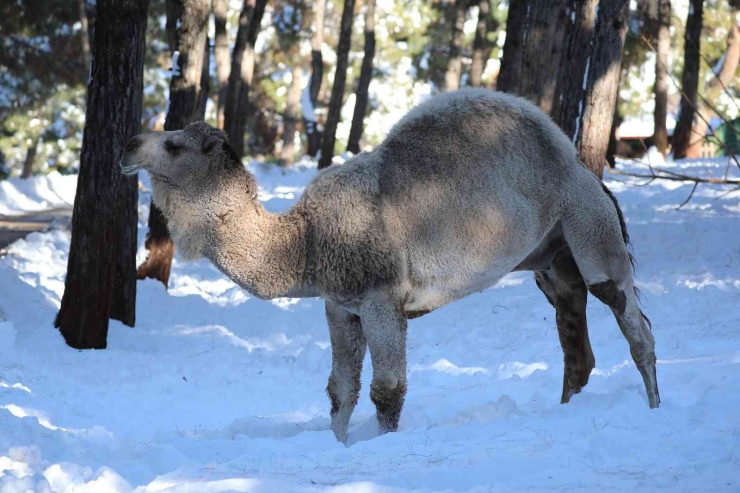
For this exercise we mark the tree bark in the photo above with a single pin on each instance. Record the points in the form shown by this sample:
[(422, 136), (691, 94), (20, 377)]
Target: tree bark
[(454, 62), (660, 89), (714, 88), (535, 37), (481, 45), (311, 99), (290, 117), (337, 91), (511, 61), (84, 34), (30, 158), (591, 77), (101, 270), (689, 79), (205, 78), (366, 73), (577, 56), (221, 54), (242, 72), (187, 27), (235, 74)]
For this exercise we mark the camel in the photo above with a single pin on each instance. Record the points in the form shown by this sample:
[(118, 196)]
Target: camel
[(467, 187)]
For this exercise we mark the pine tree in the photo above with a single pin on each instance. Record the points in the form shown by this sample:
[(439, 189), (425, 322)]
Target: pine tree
[(535, 38), (591, 77), (290, 117), (724, 73), (454, 62), (242, 72), (221, 55), (337, 91), (366, 73), (310, 101), (689, 80), (482, 46), (660, 133), (101, 271)]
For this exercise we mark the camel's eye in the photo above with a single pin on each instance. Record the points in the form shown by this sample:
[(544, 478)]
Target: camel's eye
[(172, 148)]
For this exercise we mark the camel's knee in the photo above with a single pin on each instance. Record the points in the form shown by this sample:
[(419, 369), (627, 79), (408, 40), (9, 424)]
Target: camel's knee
[(608, 293), (342, 390), (388, 396)]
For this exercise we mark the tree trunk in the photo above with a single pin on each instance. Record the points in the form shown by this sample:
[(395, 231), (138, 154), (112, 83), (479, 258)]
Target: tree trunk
[(723, 76), (454, 62), (535, 37), (187, 27), (235, 74), (84, 34), (513, 56), (242, 71), (310, 99), (290, 117), (358, 117), (481, 45), (30, 158), (205, 78), (660, 132), (576, 58), (591, 77), (611, 148), (689, 80), (337, 91), (221, 54), (101, 270)]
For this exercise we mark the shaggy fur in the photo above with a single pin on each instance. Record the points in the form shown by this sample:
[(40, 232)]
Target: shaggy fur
[(467, 187)]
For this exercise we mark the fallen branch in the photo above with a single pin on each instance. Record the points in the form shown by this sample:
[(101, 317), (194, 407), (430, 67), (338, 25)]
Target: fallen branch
[(672, 176)]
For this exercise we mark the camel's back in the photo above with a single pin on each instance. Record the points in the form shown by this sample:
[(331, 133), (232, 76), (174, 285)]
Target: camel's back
[(469, 135)]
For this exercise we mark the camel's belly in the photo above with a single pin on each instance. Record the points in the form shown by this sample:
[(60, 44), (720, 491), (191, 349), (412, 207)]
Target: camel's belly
[(427, 296)]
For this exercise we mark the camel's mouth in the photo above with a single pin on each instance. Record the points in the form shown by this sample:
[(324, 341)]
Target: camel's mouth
[(131, 170), (129, 165)]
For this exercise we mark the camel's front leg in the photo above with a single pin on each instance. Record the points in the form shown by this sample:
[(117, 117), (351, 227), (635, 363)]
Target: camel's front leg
[(384, 326), (347, 352)]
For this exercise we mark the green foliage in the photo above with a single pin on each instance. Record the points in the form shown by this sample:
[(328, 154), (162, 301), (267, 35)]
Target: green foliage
[(638, 60)]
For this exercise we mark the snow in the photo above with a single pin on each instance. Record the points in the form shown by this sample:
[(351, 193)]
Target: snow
[(176, 71), (216, 391), (37, 193)]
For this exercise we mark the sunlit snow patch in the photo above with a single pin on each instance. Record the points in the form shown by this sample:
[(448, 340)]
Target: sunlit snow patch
[(445, 366), (521, 370)]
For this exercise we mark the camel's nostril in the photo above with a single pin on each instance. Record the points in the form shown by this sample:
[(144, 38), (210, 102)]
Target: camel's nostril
[(134, 144)]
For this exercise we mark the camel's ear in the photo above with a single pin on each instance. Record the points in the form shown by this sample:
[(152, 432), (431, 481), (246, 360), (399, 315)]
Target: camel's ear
[(209, 144), (231, 153)]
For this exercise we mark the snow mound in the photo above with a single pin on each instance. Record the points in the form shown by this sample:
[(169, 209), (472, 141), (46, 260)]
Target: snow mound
[(39, 193)]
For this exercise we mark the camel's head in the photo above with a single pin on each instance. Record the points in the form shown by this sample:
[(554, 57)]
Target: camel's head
[(190, 171), (184, 159)]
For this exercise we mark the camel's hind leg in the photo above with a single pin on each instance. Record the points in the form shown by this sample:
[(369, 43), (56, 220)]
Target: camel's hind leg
[(565, 290), (597, 239)]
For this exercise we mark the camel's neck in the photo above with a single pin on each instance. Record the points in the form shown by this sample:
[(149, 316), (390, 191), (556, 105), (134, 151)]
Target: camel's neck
[(264, 253)]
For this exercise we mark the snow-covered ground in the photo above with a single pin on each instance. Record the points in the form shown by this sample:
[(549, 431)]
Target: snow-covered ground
[(37, 194), (215, 391)]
